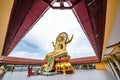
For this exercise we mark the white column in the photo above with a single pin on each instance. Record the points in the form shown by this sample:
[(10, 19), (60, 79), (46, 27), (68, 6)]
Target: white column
[(110, 69), (112, 66), (116, 63)]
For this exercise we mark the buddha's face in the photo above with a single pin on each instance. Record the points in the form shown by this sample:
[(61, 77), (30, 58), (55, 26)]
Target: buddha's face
[(59, 39)]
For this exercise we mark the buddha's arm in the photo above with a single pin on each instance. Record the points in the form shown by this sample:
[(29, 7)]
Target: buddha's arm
[(64, 46), (69, 40)]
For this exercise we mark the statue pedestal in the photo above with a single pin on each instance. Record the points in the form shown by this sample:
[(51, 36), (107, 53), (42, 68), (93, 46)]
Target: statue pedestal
[(63, 65)]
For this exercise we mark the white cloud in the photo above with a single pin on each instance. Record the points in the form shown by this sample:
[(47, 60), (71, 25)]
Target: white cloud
[(22, 54), (49, 26)]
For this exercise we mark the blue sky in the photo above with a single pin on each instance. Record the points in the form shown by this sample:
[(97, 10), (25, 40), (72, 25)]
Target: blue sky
[(37, 42)]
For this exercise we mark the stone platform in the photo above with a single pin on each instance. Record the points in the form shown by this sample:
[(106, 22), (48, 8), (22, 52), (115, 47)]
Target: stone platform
[(78, 75)]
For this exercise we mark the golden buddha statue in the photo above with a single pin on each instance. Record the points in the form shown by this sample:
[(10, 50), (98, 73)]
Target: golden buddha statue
[(60, 46), (59, 50)]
